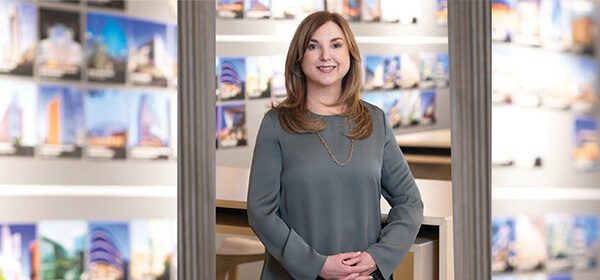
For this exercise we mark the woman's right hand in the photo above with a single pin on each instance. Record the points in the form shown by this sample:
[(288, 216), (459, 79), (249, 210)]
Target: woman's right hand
[(334, 268)]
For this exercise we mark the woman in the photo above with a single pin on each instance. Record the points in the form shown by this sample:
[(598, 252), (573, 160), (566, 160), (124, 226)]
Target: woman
[(319, 217)]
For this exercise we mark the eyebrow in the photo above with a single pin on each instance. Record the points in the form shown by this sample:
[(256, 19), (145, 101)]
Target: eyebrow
[(334, 39)]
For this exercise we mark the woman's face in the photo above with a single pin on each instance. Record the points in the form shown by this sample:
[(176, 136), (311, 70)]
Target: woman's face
[(327, 58)]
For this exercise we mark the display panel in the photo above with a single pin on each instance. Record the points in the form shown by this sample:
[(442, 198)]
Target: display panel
[(232, 126), (148, 63), (106, 47), (18, 35), (232, 78), (153, 249), (409, 71), (585, 143), (148, 136), (257, 9), (427, 70), (63, 248), (17, 118), (19, 251), (106, 134), (60, 53), (391, 73), (428, 107), (60, 124), (108, 250), (374, 72), (371, 10), (259, 71), (230, 8), (172, 53)]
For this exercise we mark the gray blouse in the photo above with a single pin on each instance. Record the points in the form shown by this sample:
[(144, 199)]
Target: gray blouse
[(304, 207)]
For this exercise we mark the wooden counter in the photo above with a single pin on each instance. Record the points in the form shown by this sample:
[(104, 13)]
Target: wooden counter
[(232, 188), (428, 153)]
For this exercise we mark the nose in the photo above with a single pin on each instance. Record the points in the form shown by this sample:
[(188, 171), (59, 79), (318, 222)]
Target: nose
[(325, 55)]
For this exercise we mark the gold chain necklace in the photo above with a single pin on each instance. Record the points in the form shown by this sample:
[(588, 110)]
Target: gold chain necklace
[(331, 154)]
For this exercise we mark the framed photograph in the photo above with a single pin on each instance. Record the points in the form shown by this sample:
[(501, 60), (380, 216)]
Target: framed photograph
[(18, 35), (528, 25), (585, 242), (106, 134), (149, 132), (351, 10), (60, 53), (427, 63), (114, 262), (428, 107), (153, 249), (259, 72), (107, 49), (232, 78), (232, 127), (60, 123), (409, 71), (503, 242), (63, 248), (442, 70), (18, 101), (530, 245), (148, 63), (505, 20), (585, 143), (391, 72), (559, 229), (371, 10), (230, 8), (374, 72), (257, 9), (18, 244), (441, 12), (278, 82)]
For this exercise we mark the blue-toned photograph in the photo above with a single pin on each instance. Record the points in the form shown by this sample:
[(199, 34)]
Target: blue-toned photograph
[(106, 134), (371, 10), (428, 107), (18, 249), (585, 242), (108, 250), (427, 63), (60, 124), (232, 127), (503, 240), (18, 101), (148, 57), (391, 72), (149, 121), (62, 249), (442, 70), (18, 36), (585, 143), (352, 10), (106, 47), (60, 53), (374, 70), (390, 103), (559, 238), (232, 78)]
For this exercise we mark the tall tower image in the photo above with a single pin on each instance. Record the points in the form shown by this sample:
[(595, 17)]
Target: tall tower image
[(13, 21), (11, 126), (53, 111), (147, 121)]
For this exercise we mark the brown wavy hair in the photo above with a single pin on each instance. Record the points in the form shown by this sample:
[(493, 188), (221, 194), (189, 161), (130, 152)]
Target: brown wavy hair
[(293, 112)]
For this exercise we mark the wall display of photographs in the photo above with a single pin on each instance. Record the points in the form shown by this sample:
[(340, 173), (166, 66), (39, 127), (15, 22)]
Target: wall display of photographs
[(371, 10), (148, 63), (409, 71), (60, 123), (351, 10), (17, 38), (60, 53), (442, 70), (106, 37), (19, 251), (148, 136), (428, 107), (257, 9), (503, 244), (391, 72), (530, 243), (232, 127), (17, 118), (585, 143), (106, 134), (278, 81), (374, 72), (259, 76), (172, 52), (113, 4), (113, 263), (62, 249), (390, 103), (230, 8), (441, 12), (585, 242), (427, 69), (232, 78), (153, 249)]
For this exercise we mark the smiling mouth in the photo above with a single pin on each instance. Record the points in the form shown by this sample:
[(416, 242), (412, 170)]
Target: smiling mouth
[(326, 68)]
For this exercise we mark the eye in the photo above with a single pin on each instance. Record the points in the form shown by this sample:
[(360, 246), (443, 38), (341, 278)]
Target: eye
[(336, 45), (313, 47)]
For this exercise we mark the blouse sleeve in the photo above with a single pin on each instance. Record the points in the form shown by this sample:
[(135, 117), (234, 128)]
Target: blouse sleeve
[(298, 258), (405, 218)]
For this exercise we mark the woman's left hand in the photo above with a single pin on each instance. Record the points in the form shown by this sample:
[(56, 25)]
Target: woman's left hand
[(363, 259)]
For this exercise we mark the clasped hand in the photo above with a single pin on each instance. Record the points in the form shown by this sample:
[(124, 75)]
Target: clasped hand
[(349, 266)]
